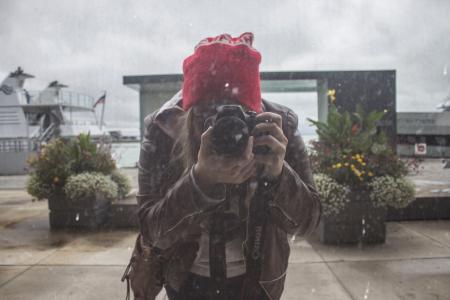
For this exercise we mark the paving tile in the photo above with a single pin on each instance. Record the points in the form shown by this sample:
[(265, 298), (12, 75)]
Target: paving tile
[(403, 279), (74, 282), (28, 241), (22, 256), (95, 248), (401, 243), (11, 214), (312, 281), (14, 196), (102, 240), (8, 272), (302, 252), (116, 257), (437, 230)]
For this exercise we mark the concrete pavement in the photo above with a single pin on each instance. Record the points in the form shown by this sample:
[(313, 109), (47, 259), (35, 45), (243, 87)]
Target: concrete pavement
[(36, 263)]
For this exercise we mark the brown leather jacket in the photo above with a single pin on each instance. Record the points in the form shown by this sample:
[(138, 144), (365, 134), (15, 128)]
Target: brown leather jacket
[(171, 207)]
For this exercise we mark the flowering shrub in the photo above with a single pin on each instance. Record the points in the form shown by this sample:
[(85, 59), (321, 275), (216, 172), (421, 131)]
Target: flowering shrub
[(86, 156), (86, 186), (59, 159), (390, 191), (333, 195), (38, 188), (352, 151), (123, 183), (50, 170)]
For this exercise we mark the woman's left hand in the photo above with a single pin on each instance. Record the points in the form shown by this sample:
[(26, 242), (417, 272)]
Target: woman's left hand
[(269, 132)]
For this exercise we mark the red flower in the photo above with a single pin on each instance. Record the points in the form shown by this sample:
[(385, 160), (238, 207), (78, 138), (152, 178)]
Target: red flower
[(355, 128)]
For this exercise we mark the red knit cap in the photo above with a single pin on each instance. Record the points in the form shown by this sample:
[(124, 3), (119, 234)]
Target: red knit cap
[(223, 67)]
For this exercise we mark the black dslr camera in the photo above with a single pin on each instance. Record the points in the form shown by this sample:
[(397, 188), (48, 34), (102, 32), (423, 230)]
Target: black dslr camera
[(232, 127)]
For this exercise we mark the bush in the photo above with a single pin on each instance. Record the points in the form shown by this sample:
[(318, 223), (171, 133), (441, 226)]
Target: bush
[(60, 159), (333, 195), (50, 170), (37, 188), (390, 191), (88, 185), (352, 149), (104, 163), (87, 157), (123, 183)]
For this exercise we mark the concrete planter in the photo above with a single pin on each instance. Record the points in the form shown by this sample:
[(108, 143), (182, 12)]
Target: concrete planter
[(90, 213), (359, 222)]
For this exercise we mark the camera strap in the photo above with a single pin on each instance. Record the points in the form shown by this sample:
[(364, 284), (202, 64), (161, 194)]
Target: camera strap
[(217, 256), (254, 242)]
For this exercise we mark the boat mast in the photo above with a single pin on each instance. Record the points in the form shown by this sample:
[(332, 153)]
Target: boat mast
[(103, 111)]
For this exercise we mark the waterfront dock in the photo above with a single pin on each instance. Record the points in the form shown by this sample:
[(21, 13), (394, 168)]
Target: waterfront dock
[(39, 263)]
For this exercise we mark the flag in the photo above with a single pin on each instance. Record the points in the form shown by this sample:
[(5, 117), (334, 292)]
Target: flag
[(100, 100)]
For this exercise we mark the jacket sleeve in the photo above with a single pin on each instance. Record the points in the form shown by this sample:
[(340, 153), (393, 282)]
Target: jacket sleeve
[(169, 204), (295, 204)]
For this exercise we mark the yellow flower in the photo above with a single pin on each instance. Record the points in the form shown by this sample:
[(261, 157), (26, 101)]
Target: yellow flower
[(363, 163), (370, 174), (338, 165), (332, 95)]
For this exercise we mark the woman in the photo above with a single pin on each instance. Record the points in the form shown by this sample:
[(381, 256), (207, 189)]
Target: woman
[(201, 234)]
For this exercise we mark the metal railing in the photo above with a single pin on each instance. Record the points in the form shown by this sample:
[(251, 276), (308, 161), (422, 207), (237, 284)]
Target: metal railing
[(13, 145), (62, 97), (47, 134)]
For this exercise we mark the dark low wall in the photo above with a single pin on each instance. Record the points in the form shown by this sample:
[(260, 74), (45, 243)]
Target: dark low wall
[(424, 208)]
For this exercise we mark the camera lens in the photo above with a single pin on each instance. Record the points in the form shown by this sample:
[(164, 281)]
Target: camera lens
[(230, 136)]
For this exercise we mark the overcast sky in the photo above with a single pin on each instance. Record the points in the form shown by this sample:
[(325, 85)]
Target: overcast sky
[(89, 45)]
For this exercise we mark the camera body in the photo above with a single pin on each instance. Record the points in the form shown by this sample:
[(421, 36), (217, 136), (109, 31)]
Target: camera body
[(232, 127)]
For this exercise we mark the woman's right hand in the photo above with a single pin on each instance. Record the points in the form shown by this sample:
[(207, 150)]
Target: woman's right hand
[(212, 169)]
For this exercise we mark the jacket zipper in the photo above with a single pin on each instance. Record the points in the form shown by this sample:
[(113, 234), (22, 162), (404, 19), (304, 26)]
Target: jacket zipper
[(295, 224)]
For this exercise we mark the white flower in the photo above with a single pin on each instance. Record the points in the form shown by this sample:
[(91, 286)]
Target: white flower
[(333, 195), (390, 191)]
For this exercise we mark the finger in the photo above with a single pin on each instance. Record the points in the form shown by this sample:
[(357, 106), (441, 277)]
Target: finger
[(248, 152), (270, 117), (246, 172), (275, 145), (272, 129), (268, 159), (226, 163), (205, 140), (243, 164)]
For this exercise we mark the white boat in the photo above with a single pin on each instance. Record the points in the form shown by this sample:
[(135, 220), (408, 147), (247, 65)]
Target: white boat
[(28, 119)]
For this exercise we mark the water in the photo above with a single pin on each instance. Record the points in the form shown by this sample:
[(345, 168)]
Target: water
[(126, 154)]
